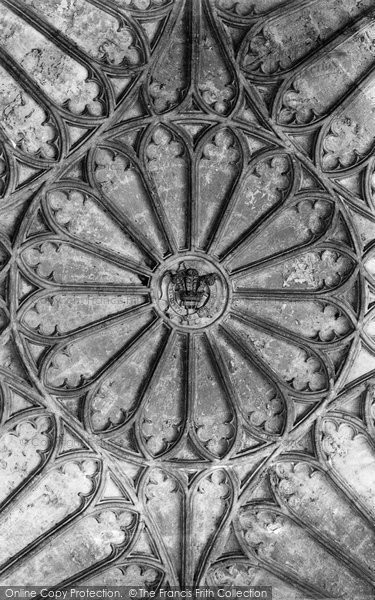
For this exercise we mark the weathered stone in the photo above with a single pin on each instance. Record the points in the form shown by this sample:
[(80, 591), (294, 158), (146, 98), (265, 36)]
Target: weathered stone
[(187, 292)]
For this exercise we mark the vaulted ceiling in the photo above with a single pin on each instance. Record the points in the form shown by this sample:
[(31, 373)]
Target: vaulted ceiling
[(187, 292)]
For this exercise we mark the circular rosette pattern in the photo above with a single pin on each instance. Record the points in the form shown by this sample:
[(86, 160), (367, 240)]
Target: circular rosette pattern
[(190, 303)]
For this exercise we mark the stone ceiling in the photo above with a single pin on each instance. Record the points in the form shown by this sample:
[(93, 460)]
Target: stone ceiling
[(187, 292)]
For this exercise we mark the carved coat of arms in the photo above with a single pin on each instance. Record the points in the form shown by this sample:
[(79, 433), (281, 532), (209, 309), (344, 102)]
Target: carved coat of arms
[(190, 297)]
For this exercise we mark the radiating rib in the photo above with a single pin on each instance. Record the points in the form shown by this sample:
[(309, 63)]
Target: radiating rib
[(259, 401), (297, 224), (218, 167), (264, 186), (323, 251), (76, 213), (168, 163), (214, 418), (163, 421), (142, 272), (48, 311), (79, 362), (291, 324), (122, 390), (116, 173), (297, 364)]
